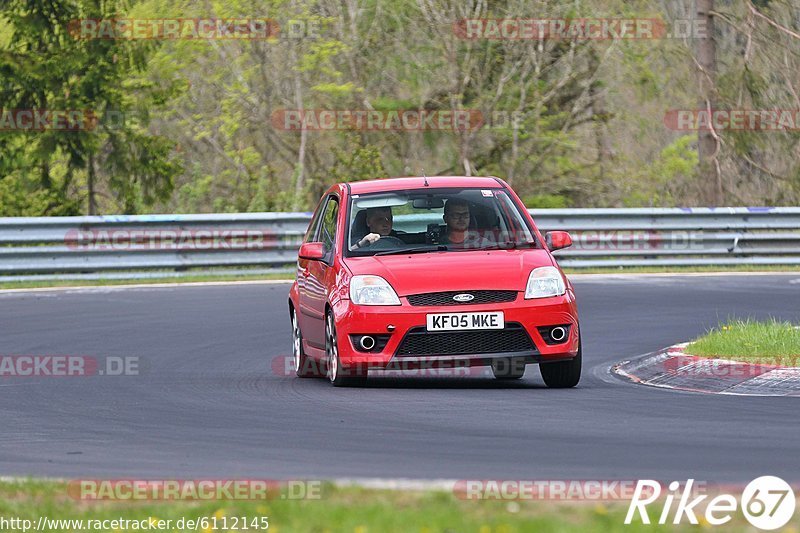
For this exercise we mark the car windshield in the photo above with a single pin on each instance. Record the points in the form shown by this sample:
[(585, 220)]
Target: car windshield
[(435, 220)]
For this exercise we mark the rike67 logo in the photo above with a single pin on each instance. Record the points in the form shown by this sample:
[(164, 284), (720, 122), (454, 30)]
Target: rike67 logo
[(767, 502)]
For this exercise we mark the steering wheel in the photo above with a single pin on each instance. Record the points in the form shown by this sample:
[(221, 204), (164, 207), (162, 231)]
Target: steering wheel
[(387, 242)]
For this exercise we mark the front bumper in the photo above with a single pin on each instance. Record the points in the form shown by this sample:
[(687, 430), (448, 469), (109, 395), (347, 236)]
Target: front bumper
[(353, 321)]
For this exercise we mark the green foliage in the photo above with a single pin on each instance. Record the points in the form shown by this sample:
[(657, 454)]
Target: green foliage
[(545, 201), (352, 162), (198, 133), (660, 182), (678, 160), (45, 67), (19, 197)]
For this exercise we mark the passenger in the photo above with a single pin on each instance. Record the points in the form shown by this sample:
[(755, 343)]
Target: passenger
[(457, 218)]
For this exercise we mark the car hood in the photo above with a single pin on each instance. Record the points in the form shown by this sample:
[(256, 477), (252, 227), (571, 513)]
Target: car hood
[(453, 271)]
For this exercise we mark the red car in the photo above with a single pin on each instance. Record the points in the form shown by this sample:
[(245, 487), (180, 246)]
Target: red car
[(411, 273)]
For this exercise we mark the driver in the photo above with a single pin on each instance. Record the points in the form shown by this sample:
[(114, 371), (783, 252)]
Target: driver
[(379, 222)]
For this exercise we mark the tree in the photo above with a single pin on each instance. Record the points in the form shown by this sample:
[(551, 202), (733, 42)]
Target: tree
[(708, 144), (47, 67)]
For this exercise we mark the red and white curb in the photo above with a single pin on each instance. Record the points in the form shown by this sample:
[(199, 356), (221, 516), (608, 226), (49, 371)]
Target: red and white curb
[(672, 368)]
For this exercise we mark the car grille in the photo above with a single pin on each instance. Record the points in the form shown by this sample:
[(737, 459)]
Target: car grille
[(446, 298), (419, 341)]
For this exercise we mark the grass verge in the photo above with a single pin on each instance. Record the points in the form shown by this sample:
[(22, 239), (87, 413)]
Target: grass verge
[(352, 510), (770, 342)]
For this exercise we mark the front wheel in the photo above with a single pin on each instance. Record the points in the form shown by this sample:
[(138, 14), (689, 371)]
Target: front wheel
[(304, 366), (340, 376), (563, 374)]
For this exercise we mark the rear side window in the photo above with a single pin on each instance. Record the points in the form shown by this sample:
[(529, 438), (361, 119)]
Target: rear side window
[(328, 229)]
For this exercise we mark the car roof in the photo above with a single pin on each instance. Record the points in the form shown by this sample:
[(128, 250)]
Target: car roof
[(393, 184)]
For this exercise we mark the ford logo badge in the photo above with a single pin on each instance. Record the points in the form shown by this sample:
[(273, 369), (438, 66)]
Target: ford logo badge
[(463, 297)]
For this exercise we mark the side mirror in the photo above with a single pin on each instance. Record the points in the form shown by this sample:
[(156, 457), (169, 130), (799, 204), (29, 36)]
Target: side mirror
[(556, 240), (311, 250)]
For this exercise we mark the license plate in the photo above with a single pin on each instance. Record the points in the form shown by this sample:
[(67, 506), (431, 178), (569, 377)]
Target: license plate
[(463, 321)]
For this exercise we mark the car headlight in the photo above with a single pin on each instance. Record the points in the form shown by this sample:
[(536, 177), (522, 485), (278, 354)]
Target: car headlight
[(372, 290), (545, 282)]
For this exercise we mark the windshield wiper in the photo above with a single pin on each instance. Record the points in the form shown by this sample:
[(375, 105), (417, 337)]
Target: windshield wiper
[(418, 250), (504, 246), (508, 245)]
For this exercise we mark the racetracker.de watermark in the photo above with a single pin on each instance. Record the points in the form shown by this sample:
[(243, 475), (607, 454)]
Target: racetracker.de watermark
[(546, 489), (284, 366), (193, 489), (622, 240), (578, 29), (48, 120), (174, 29), (692, 366), (375, 120), (733, 119), (170, 239), (47, 366)]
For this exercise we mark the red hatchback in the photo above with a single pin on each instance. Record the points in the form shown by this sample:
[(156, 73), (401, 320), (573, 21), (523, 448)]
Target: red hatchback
[(411, 273)]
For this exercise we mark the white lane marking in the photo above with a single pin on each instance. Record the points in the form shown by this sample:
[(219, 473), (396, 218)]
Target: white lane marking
[(397, 484), (632, 275), (367, 483), (111, 288)]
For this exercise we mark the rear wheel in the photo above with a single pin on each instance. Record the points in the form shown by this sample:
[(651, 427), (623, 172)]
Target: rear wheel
[(304, 366), (511, 368), (563, 374), (340, 376)]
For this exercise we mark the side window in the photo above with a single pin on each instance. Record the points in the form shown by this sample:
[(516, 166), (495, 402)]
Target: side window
[(328, 229), (313, 226)]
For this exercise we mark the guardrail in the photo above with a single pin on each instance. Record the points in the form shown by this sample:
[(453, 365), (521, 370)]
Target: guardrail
[(676, 236), (97, 246)]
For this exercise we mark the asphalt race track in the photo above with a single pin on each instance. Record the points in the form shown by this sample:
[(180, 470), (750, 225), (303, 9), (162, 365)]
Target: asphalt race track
[(207, 402)]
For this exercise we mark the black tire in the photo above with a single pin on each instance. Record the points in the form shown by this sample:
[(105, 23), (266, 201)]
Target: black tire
[(563, 374), (510, 368), (304, 366), (339, 375)]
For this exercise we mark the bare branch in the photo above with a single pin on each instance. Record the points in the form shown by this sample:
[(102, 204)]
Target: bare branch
[(771, 22)]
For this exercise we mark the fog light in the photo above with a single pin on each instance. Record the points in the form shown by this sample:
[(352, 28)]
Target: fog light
[(558, 334), (367, 343), (555, 334)]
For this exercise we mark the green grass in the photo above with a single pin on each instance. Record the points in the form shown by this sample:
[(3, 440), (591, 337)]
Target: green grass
[(748, 340), (352, 510), (290, 276)]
